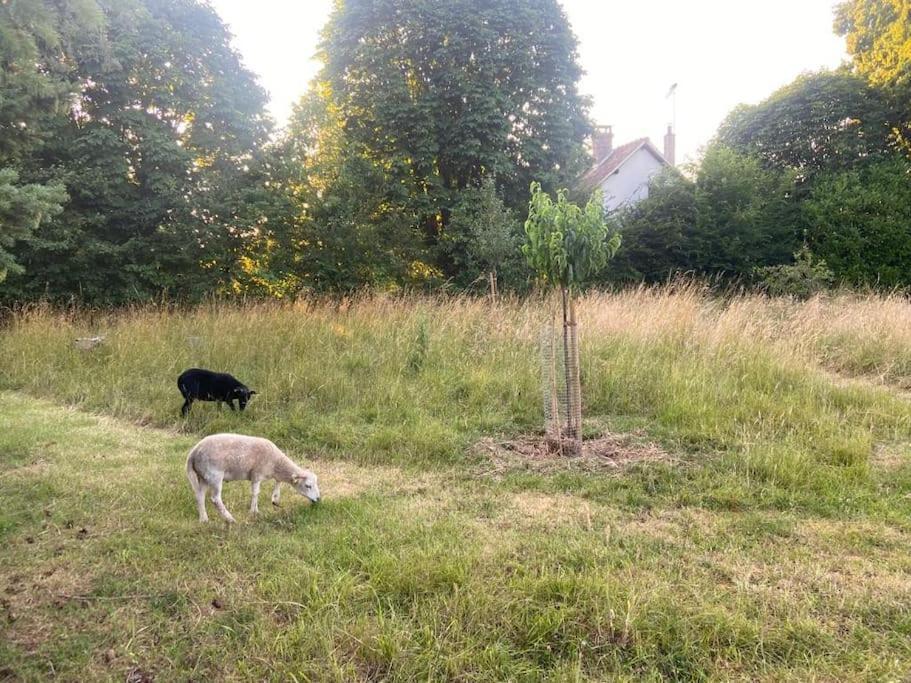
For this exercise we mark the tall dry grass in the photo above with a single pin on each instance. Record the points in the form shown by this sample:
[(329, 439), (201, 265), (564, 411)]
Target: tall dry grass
[(418, 380)]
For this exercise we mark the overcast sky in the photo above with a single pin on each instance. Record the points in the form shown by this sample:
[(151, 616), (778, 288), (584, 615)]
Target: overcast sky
[(721, 52)]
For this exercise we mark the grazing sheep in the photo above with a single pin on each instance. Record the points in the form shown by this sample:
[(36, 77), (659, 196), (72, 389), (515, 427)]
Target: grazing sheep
[(196, 384), (231, 457)]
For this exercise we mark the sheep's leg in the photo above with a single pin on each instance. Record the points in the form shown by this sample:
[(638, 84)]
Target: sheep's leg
[(276, 493), (254, 503), (186, 407), (230, 404), (219, 505), (201, 502)]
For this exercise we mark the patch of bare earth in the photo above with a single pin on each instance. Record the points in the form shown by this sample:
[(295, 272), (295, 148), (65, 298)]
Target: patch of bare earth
[(609, 453), (892, 456)]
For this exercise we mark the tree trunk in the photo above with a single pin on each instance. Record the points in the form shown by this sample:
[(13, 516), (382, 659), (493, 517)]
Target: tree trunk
[(573, 434), (492, 281), (555, 426), (576, 375)]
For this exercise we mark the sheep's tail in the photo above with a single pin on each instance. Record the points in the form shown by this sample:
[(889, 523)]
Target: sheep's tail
[(195, 480)]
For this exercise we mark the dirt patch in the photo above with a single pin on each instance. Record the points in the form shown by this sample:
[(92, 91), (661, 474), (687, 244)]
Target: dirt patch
[(892, 456), (605, 454)]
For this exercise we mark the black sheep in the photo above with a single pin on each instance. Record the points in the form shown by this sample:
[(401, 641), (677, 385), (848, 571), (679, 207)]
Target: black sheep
[(204, 385)]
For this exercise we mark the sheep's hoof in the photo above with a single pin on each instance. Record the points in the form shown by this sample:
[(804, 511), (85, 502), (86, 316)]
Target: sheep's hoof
[(276, 504)]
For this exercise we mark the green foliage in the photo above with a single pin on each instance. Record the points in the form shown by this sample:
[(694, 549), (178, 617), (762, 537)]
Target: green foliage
[(822, 121), (155, 147), (859, 221), (743, 215), (417, 102), (878, 34), (802, 279), (352, 226), (733, 217), (567, 245), (22, 209), (657, 232), (40, 43), (483, 235)]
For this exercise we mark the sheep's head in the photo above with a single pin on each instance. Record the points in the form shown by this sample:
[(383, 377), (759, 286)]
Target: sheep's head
[(305, 484), (242, 394)]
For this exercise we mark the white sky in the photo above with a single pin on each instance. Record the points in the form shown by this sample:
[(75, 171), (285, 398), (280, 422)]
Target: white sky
[(721, 52)]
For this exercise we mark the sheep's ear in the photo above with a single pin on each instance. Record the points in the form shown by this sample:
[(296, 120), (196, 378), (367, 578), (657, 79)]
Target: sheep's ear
[(295, 478)]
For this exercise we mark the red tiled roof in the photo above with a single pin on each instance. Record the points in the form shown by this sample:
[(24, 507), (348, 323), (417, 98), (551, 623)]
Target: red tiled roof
[(604, 168)]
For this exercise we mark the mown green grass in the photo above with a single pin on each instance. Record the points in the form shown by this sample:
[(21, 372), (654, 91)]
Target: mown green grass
[(403, 576), (770, 544)]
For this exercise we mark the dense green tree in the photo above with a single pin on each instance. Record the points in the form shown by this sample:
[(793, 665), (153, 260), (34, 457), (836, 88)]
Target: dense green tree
[(859, 222), (155, 146), (822, 121), (878, 36), (40, 43), (744, 215), (354, 226), (434, 96), (733, 217), (658, 232), (483, 236), (22, 210)]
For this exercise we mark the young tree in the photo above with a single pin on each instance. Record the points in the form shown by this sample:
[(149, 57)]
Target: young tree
[(565, 246), (483, 233)]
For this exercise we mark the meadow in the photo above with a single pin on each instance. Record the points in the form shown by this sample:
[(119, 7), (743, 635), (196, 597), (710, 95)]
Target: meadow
[(765, 541)]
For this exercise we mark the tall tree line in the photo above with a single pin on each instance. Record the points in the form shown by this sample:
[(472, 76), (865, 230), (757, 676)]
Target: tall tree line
[(144, 115), (137, 159)]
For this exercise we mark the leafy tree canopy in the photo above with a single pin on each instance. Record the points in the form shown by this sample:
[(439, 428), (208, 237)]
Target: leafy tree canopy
[(658, 232), (878, 34), (436, 95), (744, 214), (147, 116), (824, 120), (22, 209), (566, 245), (859, 221)]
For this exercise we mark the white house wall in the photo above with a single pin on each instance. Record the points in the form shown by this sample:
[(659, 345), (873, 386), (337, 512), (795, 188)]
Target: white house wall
[(629, 184)]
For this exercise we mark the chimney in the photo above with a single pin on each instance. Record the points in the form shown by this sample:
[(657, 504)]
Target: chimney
[(670, 146), (602, 142)]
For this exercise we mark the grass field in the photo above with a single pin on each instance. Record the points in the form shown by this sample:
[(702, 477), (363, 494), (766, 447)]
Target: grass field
[(767, 542)]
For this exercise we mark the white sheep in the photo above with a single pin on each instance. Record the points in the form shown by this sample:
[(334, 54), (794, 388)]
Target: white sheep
[(231, 457)]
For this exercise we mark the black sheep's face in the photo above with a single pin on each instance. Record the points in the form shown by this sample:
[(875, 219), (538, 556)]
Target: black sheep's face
[(242, 394)]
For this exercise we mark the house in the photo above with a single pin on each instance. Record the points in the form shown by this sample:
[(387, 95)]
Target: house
[(623, 173)]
